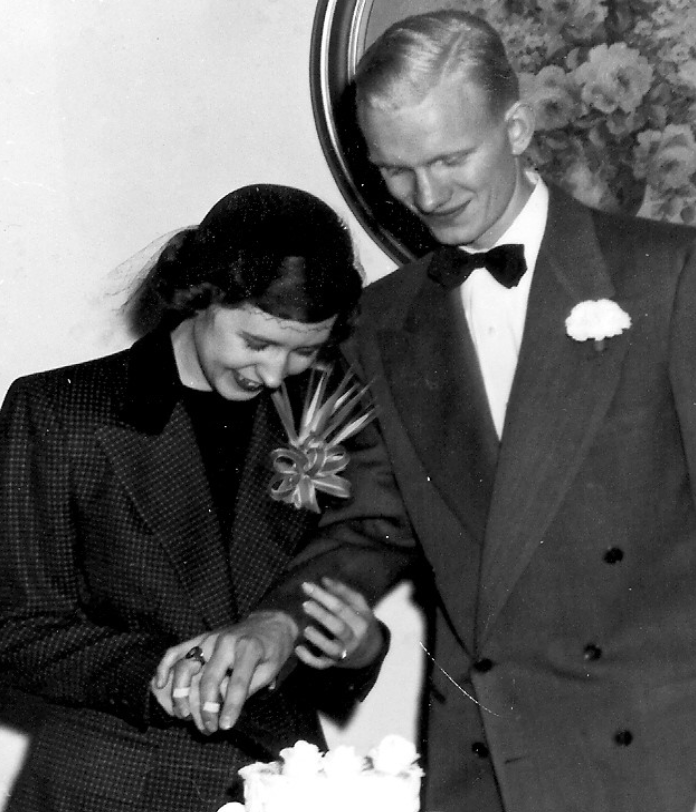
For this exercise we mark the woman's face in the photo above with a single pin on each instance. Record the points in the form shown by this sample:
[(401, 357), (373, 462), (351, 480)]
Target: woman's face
[(239, 351)]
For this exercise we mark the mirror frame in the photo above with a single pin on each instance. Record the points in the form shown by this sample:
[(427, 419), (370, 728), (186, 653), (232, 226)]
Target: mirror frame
[(338, 42)]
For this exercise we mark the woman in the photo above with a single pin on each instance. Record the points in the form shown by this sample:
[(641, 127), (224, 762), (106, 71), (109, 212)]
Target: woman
[(135, 513)]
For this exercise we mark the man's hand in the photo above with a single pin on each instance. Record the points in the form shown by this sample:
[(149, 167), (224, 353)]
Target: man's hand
[(344, 630), (233, 664)]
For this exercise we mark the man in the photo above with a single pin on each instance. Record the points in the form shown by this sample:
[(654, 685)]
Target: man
[(546, 478)]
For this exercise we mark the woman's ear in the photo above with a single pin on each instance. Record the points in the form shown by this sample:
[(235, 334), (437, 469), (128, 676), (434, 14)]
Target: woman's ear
[(520, 121)]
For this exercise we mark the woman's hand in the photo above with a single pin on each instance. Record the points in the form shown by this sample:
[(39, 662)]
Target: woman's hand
[(209, 677), (346, 633)]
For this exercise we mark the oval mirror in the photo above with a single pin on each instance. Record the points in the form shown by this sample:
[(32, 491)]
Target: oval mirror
[(626, 143), (343, 29)]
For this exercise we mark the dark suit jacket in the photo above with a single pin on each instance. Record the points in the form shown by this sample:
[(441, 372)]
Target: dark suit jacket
[(110, 551), (563, 651)]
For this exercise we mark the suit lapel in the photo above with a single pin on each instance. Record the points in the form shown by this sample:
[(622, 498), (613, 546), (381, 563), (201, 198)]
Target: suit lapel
[(561, 391), (434, 377)]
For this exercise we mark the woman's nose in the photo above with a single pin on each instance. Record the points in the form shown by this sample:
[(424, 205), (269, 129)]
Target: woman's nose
[(274, 370)]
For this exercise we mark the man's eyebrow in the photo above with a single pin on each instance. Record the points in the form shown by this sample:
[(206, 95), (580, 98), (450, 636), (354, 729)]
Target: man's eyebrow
[(439, 157)]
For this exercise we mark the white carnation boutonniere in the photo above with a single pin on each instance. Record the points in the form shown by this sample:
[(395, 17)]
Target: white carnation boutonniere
[(314, 456), (597, 320)]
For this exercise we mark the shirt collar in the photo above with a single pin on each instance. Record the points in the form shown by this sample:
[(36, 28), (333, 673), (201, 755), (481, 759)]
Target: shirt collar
[(528, 227)]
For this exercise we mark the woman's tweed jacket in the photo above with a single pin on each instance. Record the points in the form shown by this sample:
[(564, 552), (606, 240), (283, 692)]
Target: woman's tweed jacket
[(111, 551)]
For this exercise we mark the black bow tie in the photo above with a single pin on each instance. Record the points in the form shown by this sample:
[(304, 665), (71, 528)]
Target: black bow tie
[(451, 266)]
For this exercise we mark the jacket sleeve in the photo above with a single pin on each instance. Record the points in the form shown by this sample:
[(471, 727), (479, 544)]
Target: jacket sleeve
[(51, 645), (367, 543)]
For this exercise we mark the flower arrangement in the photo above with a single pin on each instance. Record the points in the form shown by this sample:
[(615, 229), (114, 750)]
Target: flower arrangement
[(314, 456), (613, 85)]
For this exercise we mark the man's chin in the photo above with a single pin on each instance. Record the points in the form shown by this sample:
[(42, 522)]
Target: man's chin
[(450, 232), (451, 236)]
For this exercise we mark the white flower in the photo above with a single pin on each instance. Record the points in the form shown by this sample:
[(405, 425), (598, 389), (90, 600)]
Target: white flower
[(302, 760), (343, 762), (393, 755), (597, 320)]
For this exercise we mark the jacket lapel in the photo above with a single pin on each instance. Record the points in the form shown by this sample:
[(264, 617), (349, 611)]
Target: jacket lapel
[(265, 534), (154, 453), (561, 391), (433, 373)]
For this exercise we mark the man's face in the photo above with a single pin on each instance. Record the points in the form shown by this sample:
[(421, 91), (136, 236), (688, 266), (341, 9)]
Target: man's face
[(451, 161)]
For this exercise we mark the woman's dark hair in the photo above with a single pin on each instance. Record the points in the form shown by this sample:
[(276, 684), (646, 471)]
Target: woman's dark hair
[(275, 247)]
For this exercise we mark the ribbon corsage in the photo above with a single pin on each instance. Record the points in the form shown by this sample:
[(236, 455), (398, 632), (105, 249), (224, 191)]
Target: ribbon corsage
[(314, 456)]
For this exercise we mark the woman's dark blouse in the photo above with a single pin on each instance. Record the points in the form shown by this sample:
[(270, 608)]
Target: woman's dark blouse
[(223, 429)]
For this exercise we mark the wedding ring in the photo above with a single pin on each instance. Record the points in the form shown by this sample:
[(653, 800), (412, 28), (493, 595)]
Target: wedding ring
[(211, 707), (343, 654), (180, 693), (196, 653)]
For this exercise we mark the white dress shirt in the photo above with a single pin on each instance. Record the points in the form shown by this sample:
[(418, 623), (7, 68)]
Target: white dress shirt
[(496, 314)]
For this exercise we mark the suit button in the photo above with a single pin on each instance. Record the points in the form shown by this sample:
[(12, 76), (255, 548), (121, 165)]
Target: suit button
[(623, 738), (613, 555), (591, 652), (483, 665), (479, 749)]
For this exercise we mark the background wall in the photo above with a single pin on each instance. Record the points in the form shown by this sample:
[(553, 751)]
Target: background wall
[(122, 121)]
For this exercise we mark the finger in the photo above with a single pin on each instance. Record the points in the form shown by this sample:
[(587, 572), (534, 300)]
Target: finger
[(215, 679), (249, 656), (322, 596), (195, 705), (306, 656), (350, 596), (163, 695), (167, 662), (183, 672), (170, 658), (331, 646), (331, 622)]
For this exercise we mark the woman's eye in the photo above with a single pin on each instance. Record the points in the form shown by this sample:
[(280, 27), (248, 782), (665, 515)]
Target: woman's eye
[(307, 352), (256, 346)]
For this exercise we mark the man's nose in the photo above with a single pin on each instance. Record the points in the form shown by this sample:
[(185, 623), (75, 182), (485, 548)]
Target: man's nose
[(274, 370), (429, 193)]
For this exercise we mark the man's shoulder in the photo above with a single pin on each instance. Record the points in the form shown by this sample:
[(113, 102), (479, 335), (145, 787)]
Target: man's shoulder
[(383, 297), (621, 227)]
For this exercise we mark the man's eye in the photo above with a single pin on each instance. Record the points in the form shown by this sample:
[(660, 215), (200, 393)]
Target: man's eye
[(453, 160), (256, 346)]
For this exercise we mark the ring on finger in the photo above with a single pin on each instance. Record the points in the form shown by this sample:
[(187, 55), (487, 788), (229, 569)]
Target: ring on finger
[(342, 656), (211, 707), (180, 693), (196, 653)]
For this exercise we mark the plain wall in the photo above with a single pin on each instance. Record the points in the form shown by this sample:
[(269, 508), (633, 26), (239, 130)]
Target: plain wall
[(121, 121)]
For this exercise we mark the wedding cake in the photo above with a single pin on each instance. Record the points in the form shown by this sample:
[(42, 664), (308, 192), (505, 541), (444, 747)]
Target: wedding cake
[(307, 780)]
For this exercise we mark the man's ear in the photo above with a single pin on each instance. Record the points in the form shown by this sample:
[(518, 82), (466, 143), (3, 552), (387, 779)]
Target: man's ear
[(520, 121)]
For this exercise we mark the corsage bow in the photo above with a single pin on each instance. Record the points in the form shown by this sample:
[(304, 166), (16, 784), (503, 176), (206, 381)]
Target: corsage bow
[(314, 456)]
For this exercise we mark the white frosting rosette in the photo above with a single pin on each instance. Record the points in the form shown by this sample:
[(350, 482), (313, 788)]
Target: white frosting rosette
[(342, 763), (302, 760), (393, 755)]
